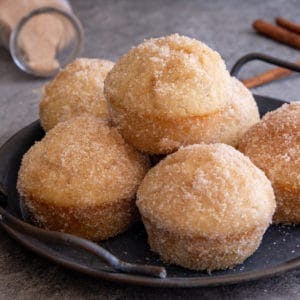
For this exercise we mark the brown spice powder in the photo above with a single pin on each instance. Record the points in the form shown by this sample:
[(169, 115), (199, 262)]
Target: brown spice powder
[(42, 35)]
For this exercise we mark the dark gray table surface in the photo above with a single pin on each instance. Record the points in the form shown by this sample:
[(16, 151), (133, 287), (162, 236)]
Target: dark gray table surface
[(111, 28)]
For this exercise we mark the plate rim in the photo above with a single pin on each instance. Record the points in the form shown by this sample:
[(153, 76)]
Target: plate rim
[(168, 282)]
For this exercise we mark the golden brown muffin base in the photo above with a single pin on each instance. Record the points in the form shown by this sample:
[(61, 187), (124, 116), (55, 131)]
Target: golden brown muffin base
[(155, 135), (200, 253), (93, 222), (288, 204)]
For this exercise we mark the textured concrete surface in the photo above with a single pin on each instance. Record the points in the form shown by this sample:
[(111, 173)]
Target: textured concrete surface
[(111, 28)]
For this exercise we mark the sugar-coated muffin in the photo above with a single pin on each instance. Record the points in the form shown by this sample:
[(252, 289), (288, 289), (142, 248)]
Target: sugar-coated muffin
[(205, 207), (236, 118), (75, 90), (81, 178), (274, 146), (166, 135), (162, 91)]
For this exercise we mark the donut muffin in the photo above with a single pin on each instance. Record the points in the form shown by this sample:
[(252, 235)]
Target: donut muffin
[(274, 146), (82, 179), (161, 93), (75, 90), (235, 119), (205, 207)]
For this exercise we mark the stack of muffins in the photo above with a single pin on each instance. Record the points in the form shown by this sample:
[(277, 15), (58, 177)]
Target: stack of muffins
[(205, 205)]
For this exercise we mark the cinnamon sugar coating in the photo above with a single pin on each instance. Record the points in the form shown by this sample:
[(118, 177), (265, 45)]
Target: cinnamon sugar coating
[(205, 207), (175, 91), (274, 146), (173, 75), (76, 89), (155, 135), (82, 178), (237, 117)]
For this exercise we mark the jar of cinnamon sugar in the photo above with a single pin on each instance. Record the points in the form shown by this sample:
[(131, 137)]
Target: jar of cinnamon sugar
[(41, 35)]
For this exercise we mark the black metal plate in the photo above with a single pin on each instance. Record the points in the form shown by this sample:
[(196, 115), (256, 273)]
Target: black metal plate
[(279, 251)]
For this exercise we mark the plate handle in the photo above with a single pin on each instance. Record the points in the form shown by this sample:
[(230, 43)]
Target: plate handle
[(262, 57), (77, 242)]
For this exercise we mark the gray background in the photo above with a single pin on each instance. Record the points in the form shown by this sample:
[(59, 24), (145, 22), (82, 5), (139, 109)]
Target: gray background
[(111, 28)]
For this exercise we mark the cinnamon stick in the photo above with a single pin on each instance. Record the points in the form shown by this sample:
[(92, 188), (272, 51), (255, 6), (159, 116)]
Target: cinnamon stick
[(268, 76), (292, 26), (277, 33)]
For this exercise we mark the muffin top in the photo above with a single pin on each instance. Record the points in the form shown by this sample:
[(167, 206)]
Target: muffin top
[(75, 90), (274, 145), (82, 161), (206, 190), (173, 75)]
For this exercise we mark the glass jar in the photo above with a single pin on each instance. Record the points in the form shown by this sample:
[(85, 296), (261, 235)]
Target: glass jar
[(43, 38)]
